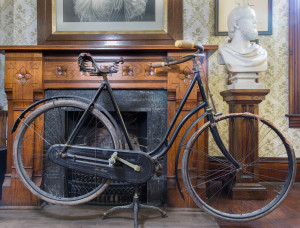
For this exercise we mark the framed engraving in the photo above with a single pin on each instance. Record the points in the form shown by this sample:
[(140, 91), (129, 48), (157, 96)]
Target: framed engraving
[(262, 8), (101, 22)]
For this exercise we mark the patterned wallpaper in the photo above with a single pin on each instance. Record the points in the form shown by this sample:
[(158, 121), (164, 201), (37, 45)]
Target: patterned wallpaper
[(18, 26), (199, 26)]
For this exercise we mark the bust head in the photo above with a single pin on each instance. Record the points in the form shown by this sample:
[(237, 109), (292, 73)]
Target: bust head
[(240, 55), (242, 19)]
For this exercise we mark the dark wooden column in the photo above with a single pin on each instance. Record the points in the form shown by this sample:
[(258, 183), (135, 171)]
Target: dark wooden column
[(245, 186), (294, 63)]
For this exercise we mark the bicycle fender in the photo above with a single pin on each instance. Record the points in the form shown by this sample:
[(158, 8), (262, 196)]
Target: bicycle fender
[(21, 116), (85, 100), (179, 150)]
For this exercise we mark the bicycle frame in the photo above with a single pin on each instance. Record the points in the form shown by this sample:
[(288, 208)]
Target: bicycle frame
[(159, 151)]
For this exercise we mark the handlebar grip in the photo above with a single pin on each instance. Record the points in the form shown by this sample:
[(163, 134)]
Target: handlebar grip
[(157, 65), (188, 45)]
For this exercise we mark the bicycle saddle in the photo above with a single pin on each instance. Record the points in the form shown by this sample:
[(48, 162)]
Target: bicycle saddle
[(87, 63)]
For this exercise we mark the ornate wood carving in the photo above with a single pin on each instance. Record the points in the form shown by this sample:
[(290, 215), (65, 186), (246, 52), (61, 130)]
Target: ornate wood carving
[(127, 70), (23, 85), (150, 71), (23, 76), (186, 75), (62, 71)]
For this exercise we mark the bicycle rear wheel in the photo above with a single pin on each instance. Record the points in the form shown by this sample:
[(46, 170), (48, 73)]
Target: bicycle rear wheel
[(268, 168), (51, 124)]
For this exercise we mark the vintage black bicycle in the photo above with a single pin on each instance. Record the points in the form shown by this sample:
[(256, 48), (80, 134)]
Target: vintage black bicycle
[(87, 139)]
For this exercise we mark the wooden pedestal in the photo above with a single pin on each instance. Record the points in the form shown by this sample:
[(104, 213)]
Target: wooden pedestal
[(245, 187)]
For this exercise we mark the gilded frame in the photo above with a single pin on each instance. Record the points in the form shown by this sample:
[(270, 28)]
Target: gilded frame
[(48, 34)]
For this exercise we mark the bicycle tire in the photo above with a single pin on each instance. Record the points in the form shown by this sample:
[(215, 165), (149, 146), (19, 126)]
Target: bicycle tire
[(50, 124), (217, 187)]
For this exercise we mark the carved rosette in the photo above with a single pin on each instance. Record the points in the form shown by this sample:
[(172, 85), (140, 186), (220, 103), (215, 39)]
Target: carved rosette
[(150, 71), (62, 71), (186, 75), (23, 76), (127, 70)]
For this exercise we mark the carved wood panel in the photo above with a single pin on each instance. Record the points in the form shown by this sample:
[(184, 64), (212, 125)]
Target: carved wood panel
[(134, 73), (24, 86), (179, 78), (240, 134)]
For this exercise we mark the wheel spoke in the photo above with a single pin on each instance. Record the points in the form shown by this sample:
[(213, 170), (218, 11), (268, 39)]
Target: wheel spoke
[(214, 184), (50, 124)]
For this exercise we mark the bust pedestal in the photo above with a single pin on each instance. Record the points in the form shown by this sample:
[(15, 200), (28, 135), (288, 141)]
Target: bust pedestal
[(245, 100), (244, 81)]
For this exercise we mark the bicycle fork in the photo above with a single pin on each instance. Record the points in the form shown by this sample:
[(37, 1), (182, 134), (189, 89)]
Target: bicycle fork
[(210, 115), (218, 140)]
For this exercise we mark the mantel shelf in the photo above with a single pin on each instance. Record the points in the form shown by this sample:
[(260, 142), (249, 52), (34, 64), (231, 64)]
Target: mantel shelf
[(24, 48)]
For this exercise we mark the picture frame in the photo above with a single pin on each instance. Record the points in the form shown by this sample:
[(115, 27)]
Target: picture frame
[(263, 9), (160, 25)]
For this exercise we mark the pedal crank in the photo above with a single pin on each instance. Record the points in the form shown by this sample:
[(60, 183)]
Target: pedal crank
[(115, 157)]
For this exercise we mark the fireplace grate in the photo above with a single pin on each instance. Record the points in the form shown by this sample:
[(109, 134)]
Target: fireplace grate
[(117, 193)]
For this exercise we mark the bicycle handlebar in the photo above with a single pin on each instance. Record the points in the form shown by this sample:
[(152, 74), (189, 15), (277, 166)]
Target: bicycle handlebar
[(188, 45), (162, 64), (182, 44)]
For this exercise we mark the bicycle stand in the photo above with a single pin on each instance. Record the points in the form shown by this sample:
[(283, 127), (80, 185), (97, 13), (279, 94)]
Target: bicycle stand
[(135, 206)]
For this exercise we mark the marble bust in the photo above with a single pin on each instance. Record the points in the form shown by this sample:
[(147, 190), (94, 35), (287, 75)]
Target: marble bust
[(242, 58)]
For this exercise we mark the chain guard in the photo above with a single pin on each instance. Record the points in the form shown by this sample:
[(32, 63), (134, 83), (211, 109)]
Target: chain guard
[(94, 161)]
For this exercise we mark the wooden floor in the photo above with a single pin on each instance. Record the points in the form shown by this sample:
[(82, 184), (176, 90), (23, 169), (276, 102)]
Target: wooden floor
[(86, 216), (287, 215)]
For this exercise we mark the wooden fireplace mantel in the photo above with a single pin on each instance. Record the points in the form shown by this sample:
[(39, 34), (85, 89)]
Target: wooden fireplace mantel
[(46, 48), (30, 70)]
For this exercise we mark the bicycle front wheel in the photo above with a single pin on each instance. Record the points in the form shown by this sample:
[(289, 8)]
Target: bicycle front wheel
[(51, 124), (267, 173)]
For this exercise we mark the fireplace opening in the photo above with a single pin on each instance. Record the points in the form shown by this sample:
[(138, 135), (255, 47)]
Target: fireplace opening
[(118, 193), (145, 114)]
